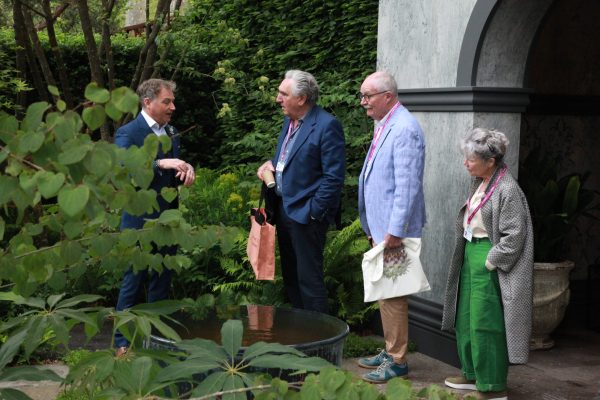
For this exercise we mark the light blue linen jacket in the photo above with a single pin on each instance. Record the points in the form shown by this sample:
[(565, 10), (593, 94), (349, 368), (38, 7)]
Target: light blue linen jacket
[(390, 188)]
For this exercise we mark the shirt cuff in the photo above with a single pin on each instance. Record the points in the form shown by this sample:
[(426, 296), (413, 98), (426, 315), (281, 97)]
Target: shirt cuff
[(489, 265)]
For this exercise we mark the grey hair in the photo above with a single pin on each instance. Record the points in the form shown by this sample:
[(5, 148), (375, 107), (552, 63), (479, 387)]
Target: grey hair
[(384, 82), (149, 89), (304, 85), (485, 144)]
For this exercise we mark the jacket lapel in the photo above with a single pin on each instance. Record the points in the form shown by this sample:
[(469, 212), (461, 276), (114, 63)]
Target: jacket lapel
[(380, 143), (307, 127)]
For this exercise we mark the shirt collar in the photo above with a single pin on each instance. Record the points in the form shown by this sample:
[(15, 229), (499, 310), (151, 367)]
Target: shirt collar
[(151, 122), (379, 122)]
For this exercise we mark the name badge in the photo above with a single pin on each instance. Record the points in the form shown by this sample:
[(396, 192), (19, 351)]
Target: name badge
[(280, 166), (468, 234)]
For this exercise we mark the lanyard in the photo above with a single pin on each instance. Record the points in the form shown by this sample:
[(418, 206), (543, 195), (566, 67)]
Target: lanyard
[(487, 196), (379, 130), (288, 137)]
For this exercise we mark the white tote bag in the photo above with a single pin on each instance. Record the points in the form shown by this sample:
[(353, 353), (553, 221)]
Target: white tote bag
[(401, 279)]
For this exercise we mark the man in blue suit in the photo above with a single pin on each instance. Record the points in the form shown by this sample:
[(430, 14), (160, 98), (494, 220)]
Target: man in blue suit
[(391, 205), (309, 167), (158, 104)]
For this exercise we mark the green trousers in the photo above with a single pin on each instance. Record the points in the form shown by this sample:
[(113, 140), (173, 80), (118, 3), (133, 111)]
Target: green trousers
[(480, 332)]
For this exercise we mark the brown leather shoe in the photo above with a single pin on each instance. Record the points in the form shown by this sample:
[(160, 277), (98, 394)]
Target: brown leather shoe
[(121, 351)]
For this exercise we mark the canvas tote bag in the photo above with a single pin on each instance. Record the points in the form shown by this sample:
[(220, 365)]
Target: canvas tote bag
[(261, 242), (400, 276)]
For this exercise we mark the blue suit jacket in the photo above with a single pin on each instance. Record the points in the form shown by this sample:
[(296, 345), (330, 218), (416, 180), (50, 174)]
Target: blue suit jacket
[(390, 186), (313, 176), (133, 134)]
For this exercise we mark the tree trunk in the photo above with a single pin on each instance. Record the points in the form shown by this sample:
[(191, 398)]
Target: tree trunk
[(53, 16), (60, 64), (38, 49), (90, 42), (165, 53), (107, 9), (147, 57), (22, 39)]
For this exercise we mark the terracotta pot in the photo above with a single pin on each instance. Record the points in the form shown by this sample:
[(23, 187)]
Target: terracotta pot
[(550, 299)]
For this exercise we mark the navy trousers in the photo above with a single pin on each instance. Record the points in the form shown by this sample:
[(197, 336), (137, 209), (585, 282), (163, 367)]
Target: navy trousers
[(159, 286), (301, 251)]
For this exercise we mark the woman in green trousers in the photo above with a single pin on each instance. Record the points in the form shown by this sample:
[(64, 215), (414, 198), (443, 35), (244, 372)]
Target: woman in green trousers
[(489, 292)]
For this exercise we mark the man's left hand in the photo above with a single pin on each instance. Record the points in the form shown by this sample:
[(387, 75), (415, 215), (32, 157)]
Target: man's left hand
[(392, 241), (185, 172)]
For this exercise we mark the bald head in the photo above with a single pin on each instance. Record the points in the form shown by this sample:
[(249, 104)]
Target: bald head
[(379, 94)]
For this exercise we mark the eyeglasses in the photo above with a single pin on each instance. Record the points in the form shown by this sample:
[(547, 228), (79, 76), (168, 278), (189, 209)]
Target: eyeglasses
[(361, 96)]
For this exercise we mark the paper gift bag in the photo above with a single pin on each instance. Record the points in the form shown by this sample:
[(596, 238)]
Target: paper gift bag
[(261, 242)]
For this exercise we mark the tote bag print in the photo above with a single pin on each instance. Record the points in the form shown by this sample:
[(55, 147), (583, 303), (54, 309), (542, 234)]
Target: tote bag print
[(401, 275)]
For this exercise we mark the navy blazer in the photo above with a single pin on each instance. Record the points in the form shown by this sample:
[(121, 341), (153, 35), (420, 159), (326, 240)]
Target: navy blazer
[(313, 176), (133, 134)]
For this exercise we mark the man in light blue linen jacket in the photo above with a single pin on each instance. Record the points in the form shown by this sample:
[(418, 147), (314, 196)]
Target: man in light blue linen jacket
[(391, 205)]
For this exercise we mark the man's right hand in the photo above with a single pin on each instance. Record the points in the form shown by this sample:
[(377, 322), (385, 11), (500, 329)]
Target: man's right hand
[(267, 165), (185, 172)]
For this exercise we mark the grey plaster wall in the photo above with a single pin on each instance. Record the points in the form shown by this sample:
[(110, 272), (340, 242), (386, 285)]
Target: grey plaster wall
[(446, 183), (506, 45), (419, 41)]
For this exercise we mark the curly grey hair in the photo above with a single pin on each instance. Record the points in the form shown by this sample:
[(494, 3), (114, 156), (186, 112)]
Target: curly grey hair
[(149, 89), (485, 144), (304, 85)]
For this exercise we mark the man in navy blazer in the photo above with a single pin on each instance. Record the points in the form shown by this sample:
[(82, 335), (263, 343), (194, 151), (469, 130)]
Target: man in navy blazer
[(158, 103), (309, 167), (391, 205)]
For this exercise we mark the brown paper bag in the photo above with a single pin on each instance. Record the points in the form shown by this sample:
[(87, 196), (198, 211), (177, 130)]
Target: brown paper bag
[(261, 245)]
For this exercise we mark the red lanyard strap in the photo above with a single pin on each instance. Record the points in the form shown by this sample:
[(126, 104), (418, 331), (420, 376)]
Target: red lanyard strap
[(380, 130), (487, 196)]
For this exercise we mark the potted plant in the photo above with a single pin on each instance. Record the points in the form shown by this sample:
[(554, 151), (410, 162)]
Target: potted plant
[(555, 204)]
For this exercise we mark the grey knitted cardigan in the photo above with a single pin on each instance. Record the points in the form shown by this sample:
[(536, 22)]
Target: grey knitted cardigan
[(508, 223)]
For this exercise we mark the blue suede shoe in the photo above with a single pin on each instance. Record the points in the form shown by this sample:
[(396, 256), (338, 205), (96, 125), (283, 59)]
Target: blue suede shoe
[(375, 361), (386, 371)]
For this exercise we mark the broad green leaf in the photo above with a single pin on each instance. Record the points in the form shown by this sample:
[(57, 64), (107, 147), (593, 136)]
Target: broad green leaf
[(10, 348), (31, 141), (33, 118), (53, 299), (202, 348), (72, 200), (94, 116), (71, 252), (29, 374), (99, 162), (66, 127), (13, 394), (53, 90), (76, 315), (211, 384), (61, 105), (231, 336), (142, 367), (60, 328), (398, 388), (58, 280), (82, 298), (101, 245), (74, 151), (2, 228), (168, 193), (96, 94), (73, 229), (36, 327), (125, 100), (112, 111), (332, 379), (8, 127), (234, 382), (49, 183), (165, 330), (3, 154), (571, 199), (260, 348), (169, 216), (186, 369)]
